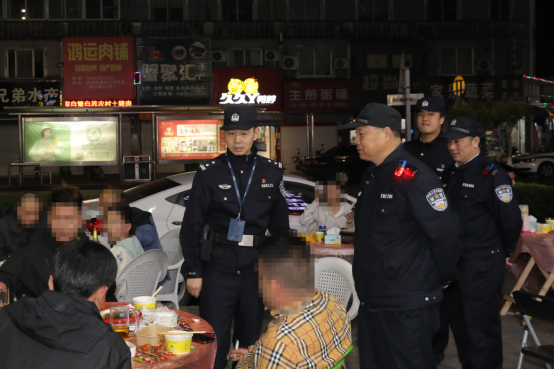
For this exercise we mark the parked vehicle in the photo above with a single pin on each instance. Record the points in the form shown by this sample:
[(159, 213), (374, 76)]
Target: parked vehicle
[(541, 162), (342, 160)]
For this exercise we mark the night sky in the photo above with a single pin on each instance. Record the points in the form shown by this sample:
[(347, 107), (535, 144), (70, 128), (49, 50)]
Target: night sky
[(545, 39)]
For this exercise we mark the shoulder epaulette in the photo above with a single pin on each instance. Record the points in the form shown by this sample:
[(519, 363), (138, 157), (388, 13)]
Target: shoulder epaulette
[(210, 164), (272, 162), (405, 169), (490, 169)]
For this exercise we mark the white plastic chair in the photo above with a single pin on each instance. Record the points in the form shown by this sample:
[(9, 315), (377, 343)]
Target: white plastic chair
[(143, 274), (174, 289), (334, 276)]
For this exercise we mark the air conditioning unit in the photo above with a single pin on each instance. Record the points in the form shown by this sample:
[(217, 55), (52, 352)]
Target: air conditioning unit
[(342, 64), (484, 65), (290, 62), (219, 56), (272, 56)]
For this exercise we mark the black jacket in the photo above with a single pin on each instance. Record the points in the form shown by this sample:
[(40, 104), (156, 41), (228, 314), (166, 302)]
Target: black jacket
[(58, 331), (12, 236), (406, 241), (434, 154), (213, 200), (490, 218), (27, 271)]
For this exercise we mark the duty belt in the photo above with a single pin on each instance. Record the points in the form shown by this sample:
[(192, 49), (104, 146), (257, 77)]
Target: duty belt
[(247, 240)]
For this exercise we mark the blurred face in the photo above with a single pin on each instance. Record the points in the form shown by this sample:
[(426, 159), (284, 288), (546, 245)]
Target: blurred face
[(28, 212), (65, 222), (429, 122), (117, 229), (240, 141), (463, 149), (47, 134), (107, 199), (333, 193), (370, 142)]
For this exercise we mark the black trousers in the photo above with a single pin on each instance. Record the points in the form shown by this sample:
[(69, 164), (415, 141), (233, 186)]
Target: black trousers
[(398, 339), (473, 311), (440, 341), (225, 296)]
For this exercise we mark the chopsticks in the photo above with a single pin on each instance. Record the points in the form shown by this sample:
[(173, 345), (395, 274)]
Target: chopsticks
[(182, 332)]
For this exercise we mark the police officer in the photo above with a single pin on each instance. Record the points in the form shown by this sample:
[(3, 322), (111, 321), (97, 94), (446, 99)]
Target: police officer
[(482, 195), (241, 195), (430, 147), (406, 246)]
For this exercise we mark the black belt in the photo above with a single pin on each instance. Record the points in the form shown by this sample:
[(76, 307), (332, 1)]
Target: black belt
[(247, 240)]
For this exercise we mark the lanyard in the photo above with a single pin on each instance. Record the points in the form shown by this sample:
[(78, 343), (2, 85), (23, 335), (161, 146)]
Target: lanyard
[(241, 201)]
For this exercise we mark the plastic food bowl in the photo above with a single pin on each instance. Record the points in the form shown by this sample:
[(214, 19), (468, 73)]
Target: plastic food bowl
[(178, 343)]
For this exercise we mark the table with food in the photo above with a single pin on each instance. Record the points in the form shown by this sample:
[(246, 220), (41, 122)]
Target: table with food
[(332, 246)]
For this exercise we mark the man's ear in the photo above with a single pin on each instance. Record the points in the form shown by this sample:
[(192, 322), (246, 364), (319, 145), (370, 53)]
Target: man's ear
[(441, 119), (100, 295), (51, 283)]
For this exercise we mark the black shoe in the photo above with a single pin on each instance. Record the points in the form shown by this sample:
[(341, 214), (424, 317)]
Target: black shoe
[(439, 358)]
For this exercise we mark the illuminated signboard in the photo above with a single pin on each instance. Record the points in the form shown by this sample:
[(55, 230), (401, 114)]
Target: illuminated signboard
[(245, 92), (62, 141), (96, 103), (190, 139)]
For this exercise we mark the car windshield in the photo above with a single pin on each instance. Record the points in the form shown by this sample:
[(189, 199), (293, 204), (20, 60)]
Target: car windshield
[(332, 151), (150, 188), (546, 148)]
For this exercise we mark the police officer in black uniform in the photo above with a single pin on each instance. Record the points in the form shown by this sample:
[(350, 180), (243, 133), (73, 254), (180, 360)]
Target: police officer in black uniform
[(482, 195), (430, 147), (227, 284), (406, 246)]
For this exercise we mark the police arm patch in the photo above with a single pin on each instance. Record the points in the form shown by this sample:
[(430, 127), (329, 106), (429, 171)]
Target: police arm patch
[(504, 193), (437, 199), (282, 189)]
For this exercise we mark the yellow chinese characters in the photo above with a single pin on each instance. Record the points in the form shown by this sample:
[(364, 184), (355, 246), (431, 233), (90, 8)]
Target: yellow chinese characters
[(91, 51)]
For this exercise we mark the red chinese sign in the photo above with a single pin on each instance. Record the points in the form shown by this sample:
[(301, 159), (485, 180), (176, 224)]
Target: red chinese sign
[(99, 68), (96, 103), (190, 139), (307, 96)]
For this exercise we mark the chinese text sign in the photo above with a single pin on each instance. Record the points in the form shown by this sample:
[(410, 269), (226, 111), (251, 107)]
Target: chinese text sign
[(318, 95), (190, 139)]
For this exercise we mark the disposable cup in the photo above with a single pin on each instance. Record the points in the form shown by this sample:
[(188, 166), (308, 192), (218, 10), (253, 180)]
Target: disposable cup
[(146, 301), (178, 343)]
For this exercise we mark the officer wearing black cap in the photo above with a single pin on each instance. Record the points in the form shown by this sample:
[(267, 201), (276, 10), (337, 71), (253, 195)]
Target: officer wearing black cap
[(430, 147), (482, 195), (241, 196), (406, 246)]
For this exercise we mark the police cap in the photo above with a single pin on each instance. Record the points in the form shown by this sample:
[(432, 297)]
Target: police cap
[(461, 127), (431, 103), (240, 117), (376, 115)]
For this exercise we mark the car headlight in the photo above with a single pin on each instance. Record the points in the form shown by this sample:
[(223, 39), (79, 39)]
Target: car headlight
[(524, 161)]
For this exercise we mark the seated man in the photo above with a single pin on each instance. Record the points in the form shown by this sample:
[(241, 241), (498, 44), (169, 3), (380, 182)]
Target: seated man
[(63, 328), (310, 329), (19, 224), (26, 271)]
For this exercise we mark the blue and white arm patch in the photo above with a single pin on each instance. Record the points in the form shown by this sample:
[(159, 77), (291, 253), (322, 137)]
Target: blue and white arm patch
[(282, 189), (504, 193), (437, 199)]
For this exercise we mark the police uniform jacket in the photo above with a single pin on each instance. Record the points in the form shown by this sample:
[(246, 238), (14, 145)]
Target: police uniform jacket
[(482, 195), (406, 240), (213, 200), (434, 154)]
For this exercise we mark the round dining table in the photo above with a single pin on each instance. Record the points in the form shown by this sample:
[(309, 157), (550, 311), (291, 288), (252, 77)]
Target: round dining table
[(203, 356)]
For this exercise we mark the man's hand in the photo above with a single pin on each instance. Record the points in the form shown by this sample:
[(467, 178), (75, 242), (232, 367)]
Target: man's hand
[(194, 286), (349, 218), (237, 354), (508, 264), (445, 287), (3, 287)]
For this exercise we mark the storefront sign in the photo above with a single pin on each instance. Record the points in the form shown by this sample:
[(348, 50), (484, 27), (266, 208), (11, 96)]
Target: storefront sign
[(99, 68), (70, 142), (190, 139), (232, 86), (174, 71), (29, 94), (96, 103), (329, 95)]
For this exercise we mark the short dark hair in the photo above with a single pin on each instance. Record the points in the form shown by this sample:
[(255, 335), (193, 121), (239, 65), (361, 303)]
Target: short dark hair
[(396, 134), (44, 130), (81, 267), (126, 214), (67, 195), (117, 190)]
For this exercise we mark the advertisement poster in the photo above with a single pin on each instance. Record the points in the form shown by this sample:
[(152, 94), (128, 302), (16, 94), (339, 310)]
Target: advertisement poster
[(309, 96), (190, 139), (29, 94), (233, 86), (98, 68), (175, 71), (64, 143)]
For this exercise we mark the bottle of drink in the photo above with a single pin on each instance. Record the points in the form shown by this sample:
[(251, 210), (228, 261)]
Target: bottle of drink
[(322, 228), (95, 235)]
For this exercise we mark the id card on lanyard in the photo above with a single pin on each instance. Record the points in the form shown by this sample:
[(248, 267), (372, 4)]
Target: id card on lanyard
[(236, 226)]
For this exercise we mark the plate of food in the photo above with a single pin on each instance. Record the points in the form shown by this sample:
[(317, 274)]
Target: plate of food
[(106, 316)]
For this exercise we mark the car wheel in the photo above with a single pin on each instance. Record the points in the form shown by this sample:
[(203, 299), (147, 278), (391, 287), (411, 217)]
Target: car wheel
[(546, 170), (343, 176)]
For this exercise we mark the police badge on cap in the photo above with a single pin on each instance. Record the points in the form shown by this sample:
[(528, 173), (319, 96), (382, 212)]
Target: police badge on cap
[(240, 117), (431, 103)]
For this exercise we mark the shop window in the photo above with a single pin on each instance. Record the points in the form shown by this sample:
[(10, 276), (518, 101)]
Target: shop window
[(25, 9), (237, 10), (501, 10), (314, 62), (65, 9), (244, 57), (101, 9), (373, 10), (456, 62), (305, 10), (167, 10), (442, 10), (26, 63)]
